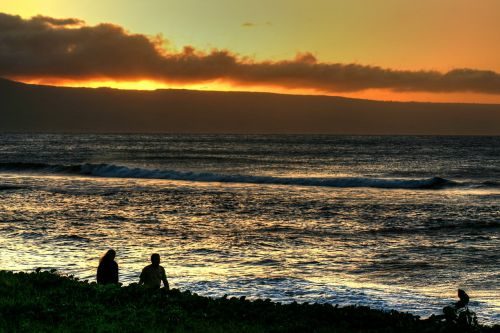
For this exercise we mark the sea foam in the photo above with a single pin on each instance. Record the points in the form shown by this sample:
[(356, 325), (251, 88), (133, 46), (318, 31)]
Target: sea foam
[(119, 171)]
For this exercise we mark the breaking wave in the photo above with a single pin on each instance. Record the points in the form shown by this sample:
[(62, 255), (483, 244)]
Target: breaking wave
[(117, 171), (10, 187)]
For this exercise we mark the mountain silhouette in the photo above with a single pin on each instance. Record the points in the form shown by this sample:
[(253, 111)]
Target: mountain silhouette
[(37, 108)]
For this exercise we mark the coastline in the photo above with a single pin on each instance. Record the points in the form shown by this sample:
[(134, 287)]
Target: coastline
[(45, 301)]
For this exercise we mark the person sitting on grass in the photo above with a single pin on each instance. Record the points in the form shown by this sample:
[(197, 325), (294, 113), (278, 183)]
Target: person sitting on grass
[(152, 275), (459, 312), (452, 310), (107, 271)]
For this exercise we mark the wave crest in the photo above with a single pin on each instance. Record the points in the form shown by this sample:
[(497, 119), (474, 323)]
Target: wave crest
[(117, 171)]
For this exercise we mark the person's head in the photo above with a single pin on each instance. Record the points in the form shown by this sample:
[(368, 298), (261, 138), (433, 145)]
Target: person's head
[(155, 259), (463, 296), (109, 256)]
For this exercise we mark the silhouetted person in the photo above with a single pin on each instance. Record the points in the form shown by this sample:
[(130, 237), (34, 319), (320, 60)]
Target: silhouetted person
[(464, 299), (458, 313), (152, 275), (452, 312), (107, 271)]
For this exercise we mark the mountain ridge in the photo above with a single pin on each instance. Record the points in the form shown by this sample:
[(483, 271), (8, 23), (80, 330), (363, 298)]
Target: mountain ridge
[(40, 108)]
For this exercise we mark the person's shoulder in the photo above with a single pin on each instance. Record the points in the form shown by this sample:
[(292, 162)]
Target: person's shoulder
[(146, 268)]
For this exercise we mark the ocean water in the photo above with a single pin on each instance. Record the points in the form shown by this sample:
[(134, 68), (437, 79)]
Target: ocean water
[(389, 222)]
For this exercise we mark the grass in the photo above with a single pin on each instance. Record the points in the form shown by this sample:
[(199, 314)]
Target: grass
[(48, 302)]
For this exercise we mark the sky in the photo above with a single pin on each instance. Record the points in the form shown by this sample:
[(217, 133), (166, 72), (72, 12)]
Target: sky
[(428, 50)]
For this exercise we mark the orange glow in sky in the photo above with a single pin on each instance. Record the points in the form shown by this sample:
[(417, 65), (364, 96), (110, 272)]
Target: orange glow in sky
[(402, 35), (220, 85)]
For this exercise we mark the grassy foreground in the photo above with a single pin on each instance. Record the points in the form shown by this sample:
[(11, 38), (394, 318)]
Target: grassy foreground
[(47, 302)]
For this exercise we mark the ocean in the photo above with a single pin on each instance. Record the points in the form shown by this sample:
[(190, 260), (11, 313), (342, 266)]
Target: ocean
[(391, 222)]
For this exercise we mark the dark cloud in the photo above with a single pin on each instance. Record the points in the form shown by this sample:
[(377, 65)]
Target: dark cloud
[(56, 21), (44, 47), (249, 24)]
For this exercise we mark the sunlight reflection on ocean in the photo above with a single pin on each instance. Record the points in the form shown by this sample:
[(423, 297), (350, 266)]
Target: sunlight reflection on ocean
[(389, 245)]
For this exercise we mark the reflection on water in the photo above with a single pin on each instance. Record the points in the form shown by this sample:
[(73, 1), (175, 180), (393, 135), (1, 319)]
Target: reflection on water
[(403, 249)]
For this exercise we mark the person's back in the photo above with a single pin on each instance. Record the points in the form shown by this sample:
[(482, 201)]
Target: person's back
[(459, 312), (463, 299), (107, 271), (152, 275)]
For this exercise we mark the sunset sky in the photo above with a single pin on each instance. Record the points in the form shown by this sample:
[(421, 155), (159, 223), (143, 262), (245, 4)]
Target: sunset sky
[(440, 50)]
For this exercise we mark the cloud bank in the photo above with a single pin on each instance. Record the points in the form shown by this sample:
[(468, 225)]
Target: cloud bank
[(45, 47)]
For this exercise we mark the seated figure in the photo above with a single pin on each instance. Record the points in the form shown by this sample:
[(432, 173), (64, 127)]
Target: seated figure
[(153, 275), (459, 312)]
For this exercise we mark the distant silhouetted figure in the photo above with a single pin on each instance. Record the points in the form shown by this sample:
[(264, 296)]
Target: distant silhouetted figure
[(452, 310), (107, 271), (459, 312), (152, 275), (464, 299)]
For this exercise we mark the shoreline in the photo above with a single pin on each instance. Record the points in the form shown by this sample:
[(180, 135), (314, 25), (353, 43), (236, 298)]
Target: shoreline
[(46, 301)]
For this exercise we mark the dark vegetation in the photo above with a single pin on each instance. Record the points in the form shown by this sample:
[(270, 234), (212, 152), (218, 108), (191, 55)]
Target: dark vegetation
[(47, 302)]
